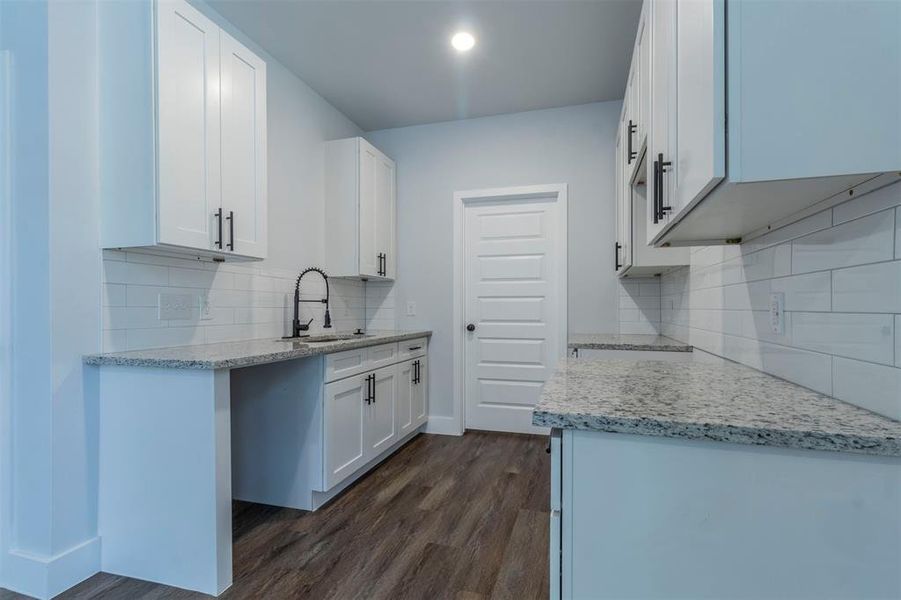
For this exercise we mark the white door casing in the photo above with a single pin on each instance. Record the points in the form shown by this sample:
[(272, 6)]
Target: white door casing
[(511, 267)]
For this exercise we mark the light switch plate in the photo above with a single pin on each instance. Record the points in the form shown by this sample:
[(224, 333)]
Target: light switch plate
[(411, 308), (206, 308), (175, 307), (777, 313)]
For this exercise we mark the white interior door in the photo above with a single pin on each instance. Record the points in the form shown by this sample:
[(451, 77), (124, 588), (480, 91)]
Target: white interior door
[(243, 148), (189, 127), (512, 280)]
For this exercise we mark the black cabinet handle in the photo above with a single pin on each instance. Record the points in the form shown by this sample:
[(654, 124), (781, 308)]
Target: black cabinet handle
[(415, 371), (231, 230), (218, 215), (632, 154), (383, 264), (412, 348), (373, 387), (660, 166), (657, 191), (616, 248), (663, 165)]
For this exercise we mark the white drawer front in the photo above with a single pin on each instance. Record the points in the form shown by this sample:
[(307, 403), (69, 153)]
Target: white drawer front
[(345, 364), (381, 356), (412, 348)]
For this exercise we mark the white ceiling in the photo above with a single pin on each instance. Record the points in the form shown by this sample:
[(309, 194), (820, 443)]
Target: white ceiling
[(389, 63)]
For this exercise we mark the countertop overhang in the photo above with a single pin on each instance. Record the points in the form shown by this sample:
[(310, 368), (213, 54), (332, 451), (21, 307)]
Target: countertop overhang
[(708, 401), (617, 341), (245, 353)]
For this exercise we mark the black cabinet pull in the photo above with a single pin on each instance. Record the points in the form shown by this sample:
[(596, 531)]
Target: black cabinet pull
[(663, 165), (616, 248), (218, 216), (412, 348), (383, 264), (231, 230), (657, 191), (632, 154), (373, 387), (415, 371)]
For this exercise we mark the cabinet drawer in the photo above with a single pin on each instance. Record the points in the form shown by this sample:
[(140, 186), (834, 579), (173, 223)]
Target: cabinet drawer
[(381, 356), (345, 364), (412, 348)]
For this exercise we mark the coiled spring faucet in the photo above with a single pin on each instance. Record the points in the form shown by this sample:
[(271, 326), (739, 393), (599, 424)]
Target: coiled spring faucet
[(297, 326)]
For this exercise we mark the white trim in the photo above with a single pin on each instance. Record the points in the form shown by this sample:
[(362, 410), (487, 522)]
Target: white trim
[(6, 234), (528, 192), (47, 576), (443, 426)]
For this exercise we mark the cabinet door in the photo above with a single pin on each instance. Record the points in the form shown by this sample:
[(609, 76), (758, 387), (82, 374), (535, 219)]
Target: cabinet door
[(405, 392), (381, 423), (618, 171), (189, 192), (662, 115), (243, 149), (345, 417), (385, 214), (368, 197), (421, 392), (700, 148), (641, 100)]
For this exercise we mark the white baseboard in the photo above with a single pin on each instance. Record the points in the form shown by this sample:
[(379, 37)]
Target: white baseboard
[(443, 426), (46, 576)]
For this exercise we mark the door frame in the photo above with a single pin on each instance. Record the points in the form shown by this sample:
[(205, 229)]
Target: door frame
[(558, 192), (6, 286)]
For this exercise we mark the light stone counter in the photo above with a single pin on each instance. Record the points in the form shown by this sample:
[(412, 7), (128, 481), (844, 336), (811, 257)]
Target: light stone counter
[(246, 353), (614, 341), (721, 402)]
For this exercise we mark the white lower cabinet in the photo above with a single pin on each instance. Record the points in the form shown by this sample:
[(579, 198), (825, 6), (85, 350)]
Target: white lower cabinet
[(303, 430), (345, 417)]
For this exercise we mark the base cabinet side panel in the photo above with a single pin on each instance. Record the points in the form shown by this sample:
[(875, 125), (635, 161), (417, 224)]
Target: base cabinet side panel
[(655, 518)]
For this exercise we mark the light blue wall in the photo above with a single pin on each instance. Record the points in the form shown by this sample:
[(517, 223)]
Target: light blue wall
[(573, 145), (48, 506)]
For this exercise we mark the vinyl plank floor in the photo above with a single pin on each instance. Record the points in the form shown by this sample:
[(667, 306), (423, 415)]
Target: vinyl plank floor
[(462, 518)]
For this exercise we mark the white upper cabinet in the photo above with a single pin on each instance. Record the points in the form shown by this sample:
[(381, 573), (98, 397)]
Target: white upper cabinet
[(637, 98), (243, 93), (360, 211), (183, 133), (764, 111)]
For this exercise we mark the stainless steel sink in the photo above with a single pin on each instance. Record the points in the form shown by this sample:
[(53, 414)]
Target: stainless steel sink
[(328, 337)]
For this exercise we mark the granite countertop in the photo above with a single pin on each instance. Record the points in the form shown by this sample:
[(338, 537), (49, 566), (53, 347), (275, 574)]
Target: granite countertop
[(707, 401), (614, 341), (246, 353)]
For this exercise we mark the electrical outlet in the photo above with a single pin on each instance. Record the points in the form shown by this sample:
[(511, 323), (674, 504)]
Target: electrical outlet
[(777, 313), (411, 308), (206, 308), (175, 307)]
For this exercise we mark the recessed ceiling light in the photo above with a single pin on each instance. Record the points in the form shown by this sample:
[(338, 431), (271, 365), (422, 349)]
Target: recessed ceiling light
[(463, 41)]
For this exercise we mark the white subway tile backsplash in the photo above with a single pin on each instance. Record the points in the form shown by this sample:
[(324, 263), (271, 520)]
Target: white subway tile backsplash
[(122, 317), (639, 328), (164, 337), (246, 301), (898, 340), (866, 240), (864, 337), (113, 294), (870, 288), (842, 286), (887, 197), (874, 387), (115, 271)]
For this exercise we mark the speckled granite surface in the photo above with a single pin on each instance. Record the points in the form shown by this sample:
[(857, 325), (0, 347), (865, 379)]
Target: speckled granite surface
[(231, 355), (701, 401), (613, 341)]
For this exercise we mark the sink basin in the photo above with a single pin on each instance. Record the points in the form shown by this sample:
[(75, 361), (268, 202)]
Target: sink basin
[(328, 337)]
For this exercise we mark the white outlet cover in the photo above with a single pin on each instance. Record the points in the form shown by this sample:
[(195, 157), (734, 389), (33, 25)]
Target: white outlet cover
[(777, 313), (206, 308), (411, 308), (175, 307)]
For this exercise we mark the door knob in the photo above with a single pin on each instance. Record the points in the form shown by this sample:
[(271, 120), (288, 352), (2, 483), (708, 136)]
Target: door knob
[(470, 327)]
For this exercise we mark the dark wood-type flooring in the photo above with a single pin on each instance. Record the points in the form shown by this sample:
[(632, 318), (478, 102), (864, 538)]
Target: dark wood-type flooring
[(444, 517)]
